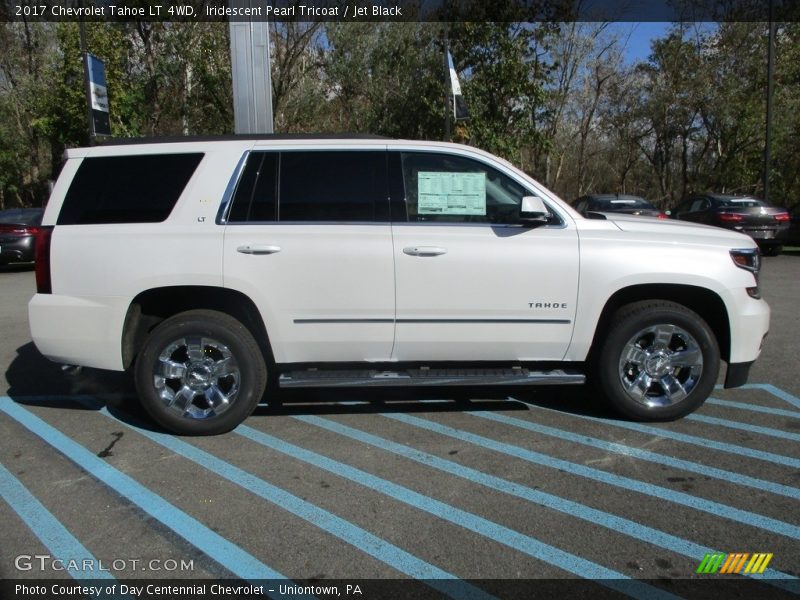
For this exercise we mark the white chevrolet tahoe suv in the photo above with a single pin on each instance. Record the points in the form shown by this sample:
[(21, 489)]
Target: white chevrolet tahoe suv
[(212, 267)]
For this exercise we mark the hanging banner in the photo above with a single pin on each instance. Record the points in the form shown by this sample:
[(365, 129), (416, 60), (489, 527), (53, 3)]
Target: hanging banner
[(459, 106), (98, 95)]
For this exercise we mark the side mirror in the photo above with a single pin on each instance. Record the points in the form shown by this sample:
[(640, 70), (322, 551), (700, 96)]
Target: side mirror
[(534, 210)]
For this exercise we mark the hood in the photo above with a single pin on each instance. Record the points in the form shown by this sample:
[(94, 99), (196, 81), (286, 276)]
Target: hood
[(680, 231)]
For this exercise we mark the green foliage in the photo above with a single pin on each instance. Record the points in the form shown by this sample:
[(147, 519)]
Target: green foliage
[(691, 117), (385, 78), (503, 84)]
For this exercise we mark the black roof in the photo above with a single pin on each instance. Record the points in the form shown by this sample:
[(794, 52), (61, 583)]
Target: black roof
[(249, 136)]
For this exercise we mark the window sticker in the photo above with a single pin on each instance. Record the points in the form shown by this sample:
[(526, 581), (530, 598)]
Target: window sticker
[(451, 193)]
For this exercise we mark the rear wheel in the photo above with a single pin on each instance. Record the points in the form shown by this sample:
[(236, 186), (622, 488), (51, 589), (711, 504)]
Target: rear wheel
[(659, 361), (200, 372), (772, 250)]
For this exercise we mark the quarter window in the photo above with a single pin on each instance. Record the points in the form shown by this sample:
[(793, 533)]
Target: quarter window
[(127, 189)]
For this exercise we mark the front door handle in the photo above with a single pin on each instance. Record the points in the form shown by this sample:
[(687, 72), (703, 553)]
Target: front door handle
[(258, 249), (424, 251)]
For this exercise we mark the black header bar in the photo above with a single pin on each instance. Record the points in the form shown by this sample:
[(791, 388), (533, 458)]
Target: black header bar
[(398, 10)]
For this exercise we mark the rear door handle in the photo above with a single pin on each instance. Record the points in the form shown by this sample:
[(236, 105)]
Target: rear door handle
[(424, 250), (258, 249)]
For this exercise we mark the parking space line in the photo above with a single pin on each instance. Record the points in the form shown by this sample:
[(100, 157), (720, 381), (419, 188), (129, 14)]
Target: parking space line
[(616, 523), (646, 455), (488, 529), (777, 433), (376, 547), (715, 508), (50, 531), (694, 440), (361, 539), (216, 547), (775, 391), (792, 414)]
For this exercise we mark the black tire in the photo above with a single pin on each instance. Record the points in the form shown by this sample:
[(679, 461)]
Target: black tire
[(194, 359), (772, 250), (635, 365)]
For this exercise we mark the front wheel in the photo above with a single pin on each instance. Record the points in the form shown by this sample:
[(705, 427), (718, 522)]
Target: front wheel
[(659, 361), (200, 373)]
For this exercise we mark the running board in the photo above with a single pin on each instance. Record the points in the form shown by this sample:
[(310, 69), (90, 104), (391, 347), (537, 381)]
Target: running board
[(373, 378)]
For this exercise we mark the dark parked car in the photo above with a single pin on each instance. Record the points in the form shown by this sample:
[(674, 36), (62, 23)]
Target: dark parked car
[(767, 225), (793, 237), (18, 229), (617, 203)]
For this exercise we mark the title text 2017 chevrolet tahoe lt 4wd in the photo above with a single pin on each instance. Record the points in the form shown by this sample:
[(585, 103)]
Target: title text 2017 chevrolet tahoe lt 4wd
[(213, 266)]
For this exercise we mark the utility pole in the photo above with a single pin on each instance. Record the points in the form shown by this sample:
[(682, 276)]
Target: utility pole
[(86, 85)]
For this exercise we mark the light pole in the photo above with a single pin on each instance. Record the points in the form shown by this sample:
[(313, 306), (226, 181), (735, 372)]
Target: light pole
[(86, 85), (770, 73)]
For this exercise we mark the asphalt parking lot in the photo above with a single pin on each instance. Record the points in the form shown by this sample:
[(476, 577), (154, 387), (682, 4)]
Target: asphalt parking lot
[(507, 494)]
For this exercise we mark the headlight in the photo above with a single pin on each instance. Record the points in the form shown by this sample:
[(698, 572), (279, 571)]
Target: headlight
[(750, 260), (747, 258)]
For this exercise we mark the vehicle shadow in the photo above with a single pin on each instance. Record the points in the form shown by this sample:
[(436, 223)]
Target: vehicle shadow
[(35, 381), (341, 401), (31, 374)]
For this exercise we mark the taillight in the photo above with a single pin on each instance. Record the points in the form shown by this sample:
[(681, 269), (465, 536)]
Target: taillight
[(782, 217), (730, 217), (42, 254), (662, 216), (19, 229)]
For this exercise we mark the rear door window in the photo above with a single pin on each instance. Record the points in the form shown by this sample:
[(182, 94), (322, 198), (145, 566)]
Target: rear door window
[(256, 197), (333, 186), (127, 189), (313, 186), (699, 205)]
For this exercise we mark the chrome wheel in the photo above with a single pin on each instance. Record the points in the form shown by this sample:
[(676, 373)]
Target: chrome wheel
[(660, 365), (196, 377)]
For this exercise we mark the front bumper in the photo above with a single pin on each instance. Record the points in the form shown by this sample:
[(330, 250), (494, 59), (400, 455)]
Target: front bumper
[(737, 374), (749, 325)]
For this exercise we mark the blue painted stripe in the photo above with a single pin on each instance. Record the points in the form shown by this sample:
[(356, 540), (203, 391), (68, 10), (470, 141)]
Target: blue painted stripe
[(775, 391), (55, 537), (493, 531), (792, 414), (777, 433), (649, 489), (216, 547), (694, 440), (618, 524), (376, 547), (654, 457)]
